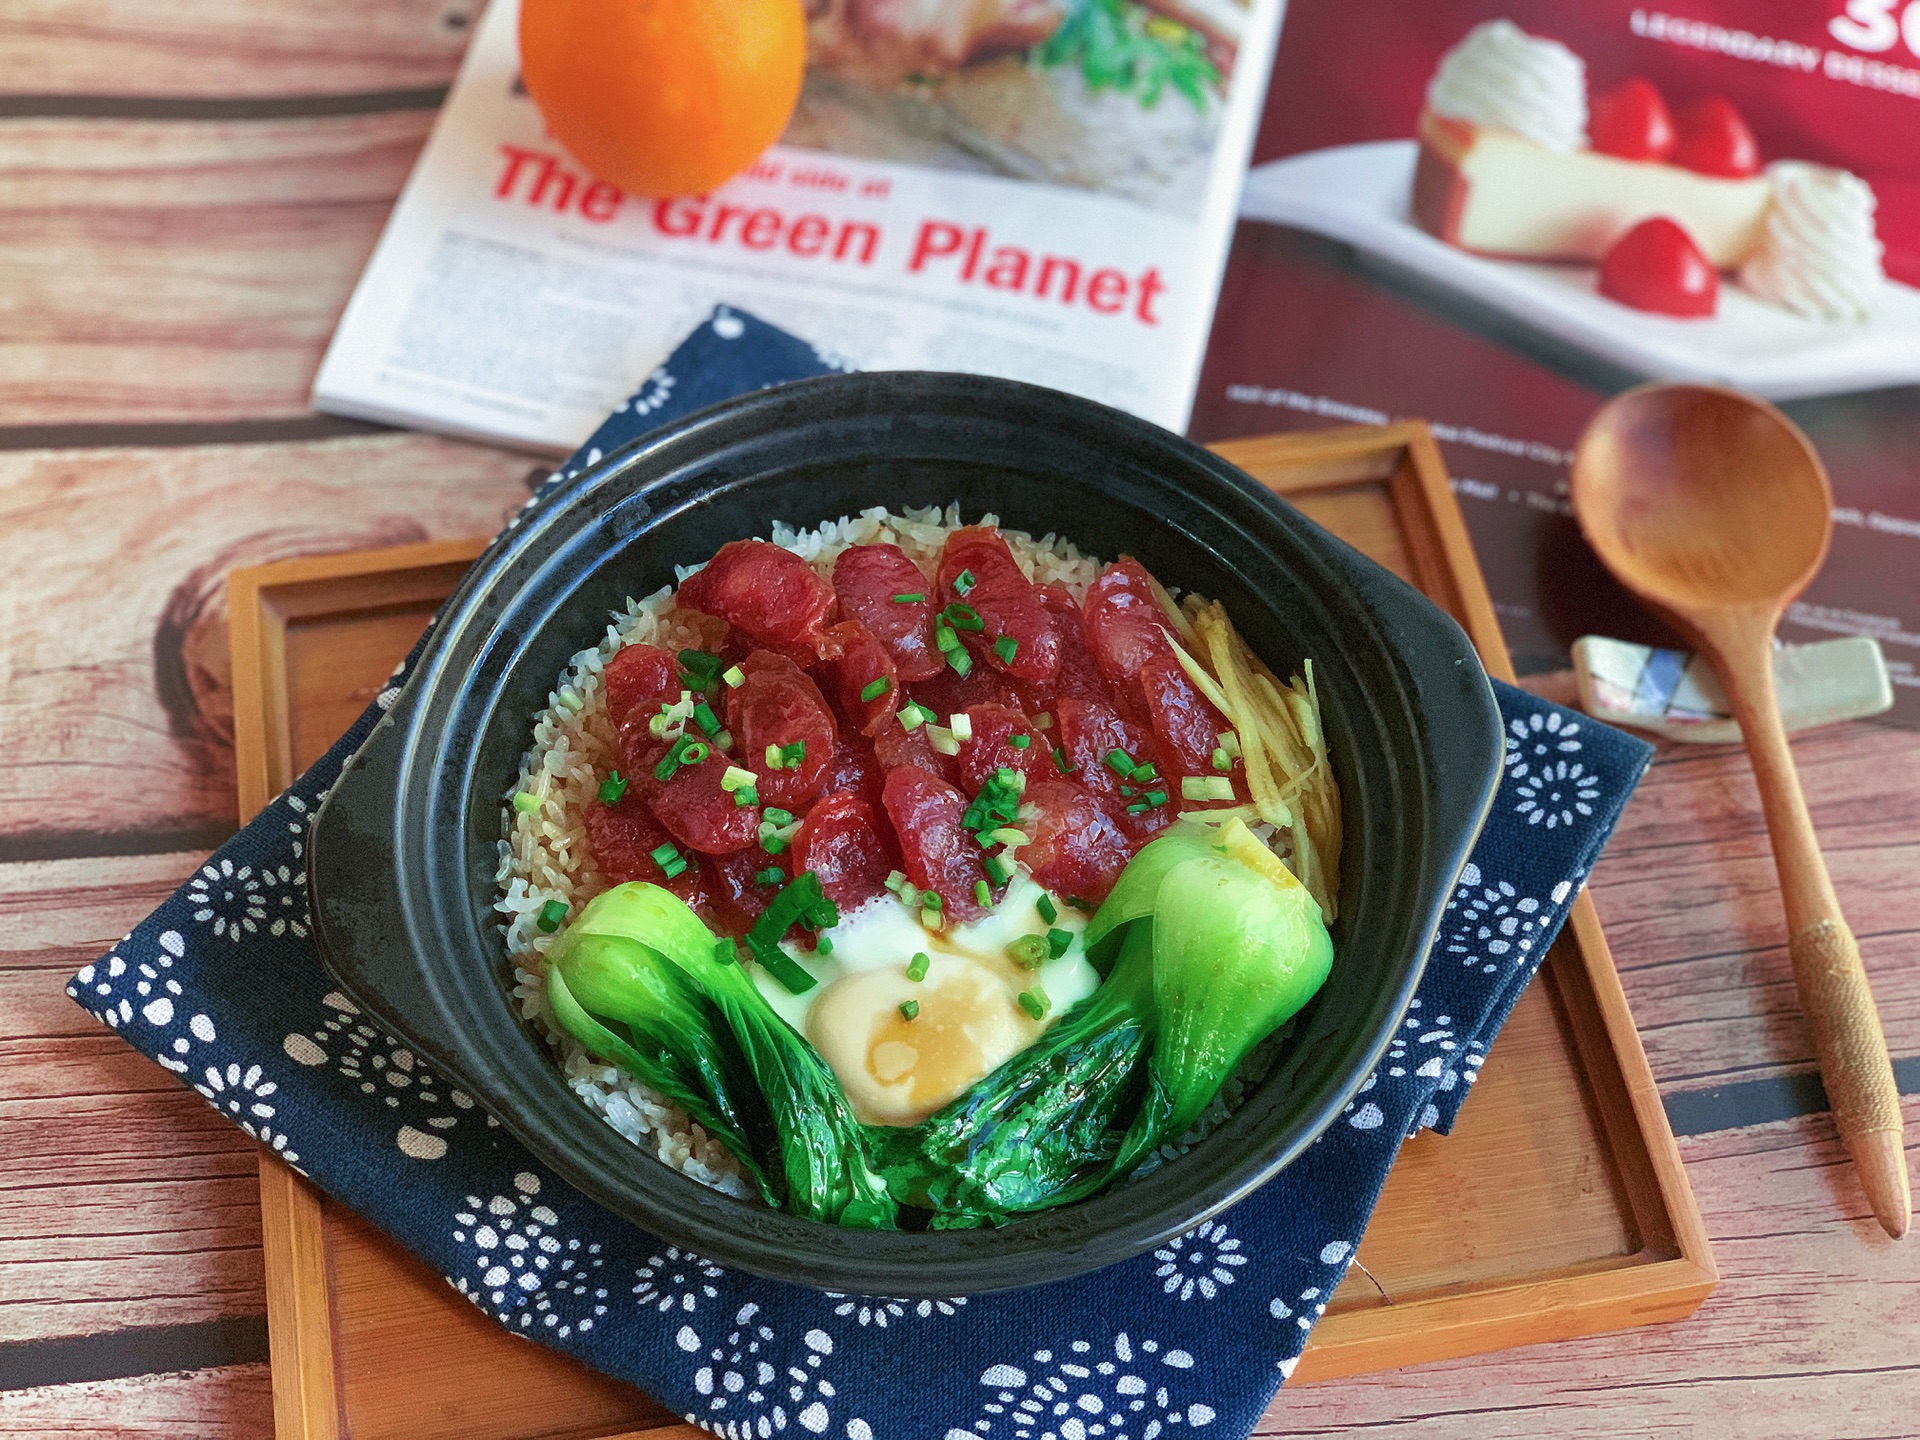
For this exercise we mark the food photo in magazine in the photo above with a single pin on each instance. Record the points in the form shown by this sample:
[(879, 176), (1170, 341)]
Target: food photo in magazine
[(1497, 214)]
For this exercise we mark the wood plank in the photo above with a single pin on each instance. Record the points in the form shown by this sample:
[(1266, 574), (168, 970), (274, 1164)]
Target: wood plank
[(230, 47), (1809, 1333), (229, 1402), (124, 1201), (124, 741), (169, 271)]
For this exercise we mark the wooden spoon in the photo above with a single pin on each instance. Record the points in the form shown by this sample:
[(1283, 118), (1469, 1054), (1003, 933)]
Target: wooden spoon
[(1713, 508)]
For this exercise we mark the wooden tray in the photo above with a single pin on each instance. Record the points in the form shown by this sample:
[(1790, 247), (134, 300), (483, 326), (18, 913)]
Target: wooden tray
[(1558, 1207)]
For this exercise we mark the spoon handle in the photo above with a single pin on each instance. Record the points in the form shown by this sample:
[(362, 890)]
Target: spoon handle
[(1827, 973)]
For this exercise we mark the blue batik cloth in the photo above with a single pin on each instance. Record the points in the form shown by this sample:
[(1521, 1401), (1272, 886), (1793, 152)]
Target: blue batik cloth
[(222, 985)]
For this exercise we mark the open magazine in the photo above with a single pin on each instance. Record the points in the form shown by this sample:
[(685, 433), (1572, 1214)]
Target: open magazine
[(1435, 225), (1044, 192)]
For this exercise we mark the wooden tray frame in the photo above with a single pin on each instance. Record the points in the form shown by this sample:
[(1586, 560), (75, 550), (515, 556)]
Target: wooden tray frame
[(1667, 1279)]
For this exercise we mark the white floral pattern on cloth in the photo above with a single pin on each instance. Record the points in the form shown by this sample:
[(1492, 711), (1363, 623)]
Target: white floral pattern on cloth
[(524, 1271), (1121, 1390), (250, 1017)]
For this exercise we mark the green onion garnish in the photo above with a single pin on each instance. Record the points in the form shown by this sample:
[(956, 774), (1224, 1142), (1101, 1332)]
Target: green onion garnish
[(772, 875), (963, 583), (963, 617), (700, 663), (1057, 943), (917, 967), (1143, 773), (663, 853), (694, 751), (773, 844), (684, 751), (1020, 742), (1222, 760), (774, 762), (1204, 787), (874, 689), (776, 816), (1060, 761), (1049, 912), (910, 597), (1006, 647), (945, 636), (745, 796), (735, 779), (551, 914), (1119, 761), (725, 951), (1029, 951), (674, 867), (612, 788), (1138, 807), (909, 1009), (1156, 798), (800, 898), (1085, 907), (823, 945), (912, 717), (931, 900), (704, 717), (1035, 1002), (526, 802), (793, 754), (982, 894), (961, 662), (735, 677), (998, 869)]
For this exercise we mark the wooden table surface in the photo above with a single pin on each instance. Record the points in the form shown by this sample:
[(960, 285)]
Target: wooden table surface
[(187, 192)]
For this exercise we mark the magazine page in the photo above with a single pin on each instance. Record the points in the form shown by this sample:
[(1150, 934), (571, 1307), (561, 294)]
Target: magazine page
[(1044, 193), (1436, 224)]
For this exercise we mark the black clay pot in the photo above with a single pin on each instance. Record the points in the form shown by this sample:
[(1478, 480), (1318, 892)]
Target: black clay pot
[(404, 851)]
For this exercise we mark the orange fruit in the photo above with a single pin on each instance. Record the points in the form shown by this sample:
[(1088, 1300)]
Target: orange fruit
[(664, 97)]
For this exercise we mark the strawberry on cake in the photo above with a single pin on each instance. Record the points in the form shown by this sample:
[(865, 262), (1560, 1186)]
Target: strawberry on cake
[(1515, 162)]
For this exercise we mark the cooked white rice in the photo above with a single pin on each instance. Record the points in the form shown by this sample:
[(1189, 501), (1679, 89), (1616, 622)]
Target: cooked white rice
[(544, 854)]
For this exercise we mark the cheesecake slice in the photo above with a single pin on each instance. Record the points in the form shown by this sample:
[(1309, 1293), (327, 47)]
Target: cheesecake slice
[(1497, 193)]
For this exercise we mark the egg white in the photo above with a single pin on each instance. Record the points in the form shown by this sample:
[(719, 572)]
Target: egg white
[(970, 1020)]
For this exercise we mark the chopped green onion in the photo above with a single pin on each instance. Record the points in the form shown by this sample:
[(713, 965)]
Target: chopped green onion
[(982, 894), (794, 754), (823, 946), (998, 869), (725, 951), (961, 724), (774, 760), (776, 816), (912, 717), (895, 880), (526, 802), (917, 967), (1230, 742), (1029, 952), (961, 662), (745, 796), (773, 844), (772, 875), (1035, 1002), (963, 583), (1016, 779), (910, 597), (1057, 943), (1222, 760), (704, 717), (694, 751), (699, 662), (874, 689), (663, 853), (909, 1009), (963, 617), (942, 740), (1206, 787), (1143, 773), (612, 788), (1006, 647), (1119, 761), (1085, 907), (735, 677), (674, 868), (945, 636), (1049, 912), (1138, 807), (1007, 835), (551, 914), (735, 779), (1020, 742), (1060, 761), (931, 900), (1156, 798), (800, 898), (685, 751)]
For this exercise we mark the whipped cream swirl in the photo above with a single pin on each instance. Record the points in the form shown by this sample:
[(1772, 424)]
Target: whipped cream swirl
[(1502, 78), (1818, 254)]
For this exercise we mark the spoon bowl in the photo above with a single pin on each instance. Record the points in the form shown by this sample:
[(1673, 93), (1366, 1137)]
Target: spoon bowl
[(1699, 498)]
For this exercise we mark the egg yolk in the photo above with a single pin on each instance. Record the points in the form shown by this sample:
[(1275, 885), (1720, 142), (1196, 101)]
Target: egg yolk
[(897, 1070)]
